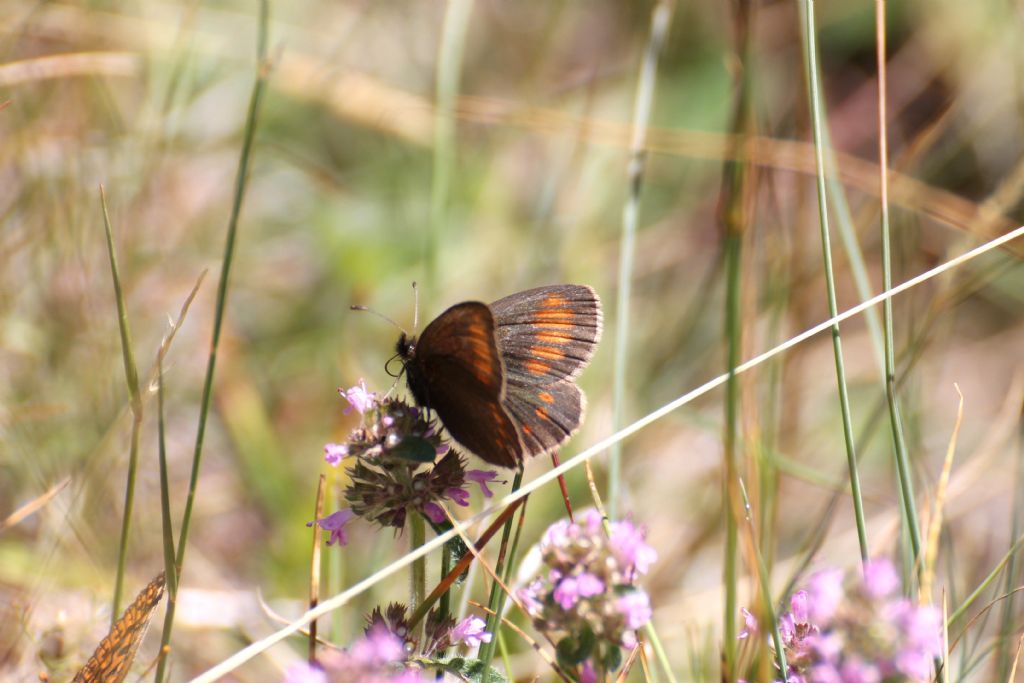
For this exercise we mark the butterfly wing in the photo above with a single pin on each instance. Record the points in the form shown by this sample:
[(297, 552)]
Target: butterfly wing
[(113, 658), (459, 372), (546, 415), (546, 337), (548, 333)]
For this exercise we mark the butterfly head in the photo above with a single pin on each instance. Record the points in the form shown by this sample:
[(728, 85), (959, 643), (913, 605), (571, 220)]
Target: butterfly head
[(406, 347)]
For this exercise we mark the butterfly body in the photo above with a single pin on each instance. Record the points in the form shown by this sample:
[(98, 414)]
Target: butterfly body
[(500, 377)]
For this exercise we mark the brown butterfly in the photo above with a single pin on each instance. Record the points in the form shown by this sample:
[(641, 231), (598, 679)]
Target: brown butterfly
[(500, 377), (113, 658)]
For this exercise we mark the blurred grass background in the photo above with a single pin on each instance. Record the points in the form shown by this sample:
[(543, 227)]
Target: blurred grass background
[(148, 98)]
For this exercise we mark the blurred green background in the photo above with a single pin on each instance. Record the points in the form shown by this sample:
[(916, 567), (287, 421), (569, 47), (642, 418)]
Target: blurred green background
[(149, 98)]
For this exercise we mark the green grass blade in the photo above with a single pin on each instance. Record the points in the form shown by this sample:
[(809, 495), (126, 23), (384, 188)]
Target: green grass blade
[(895, 421), (814, 96), (736, 196), (449, 71), (131, 374), (170, 569), (660, 19), (1004, 655), (241, 181), (986, 582)]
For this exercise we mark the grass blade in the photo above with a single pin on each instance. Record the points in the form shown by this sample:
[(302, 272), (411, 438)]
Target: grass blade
[(837, 347), (660, 19), (131, 374), (241, 181)]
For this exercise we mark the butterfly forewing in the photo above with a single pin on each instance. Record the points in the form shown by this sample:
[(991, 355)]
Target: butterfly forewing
[(548, 333), (457, 372), (113, 658)]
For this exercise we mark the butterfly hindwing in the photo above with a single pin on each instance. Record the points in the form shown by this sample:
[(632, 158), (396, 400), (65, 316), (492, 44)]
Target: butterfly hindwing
[(547, 416), (457, 372), (548, 333)]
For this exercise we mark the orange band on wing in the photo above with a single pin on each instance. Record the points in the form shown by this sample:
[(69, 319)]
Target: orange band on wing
[(536, 367), (555, 316), (558, 337), (546, 352)]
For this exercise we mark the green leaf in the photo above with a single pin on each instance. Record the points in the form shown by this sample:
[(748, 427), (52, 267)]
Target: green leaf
[(414, 448), (575, 649), (612, 657), (455, 548)]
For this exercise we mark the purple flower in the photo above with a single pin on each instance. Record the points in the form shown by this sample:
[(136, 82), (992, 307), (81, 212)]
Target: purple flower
[(556, 535), (335, 523), (434, 512), (628, 543), (459, 496), (824, 673), (867, 633), (880, 578), (482, 477), (591, 520), (471, 632), (921, 628), (636, 608), (567, 592), (824, 593), (334, 453), (589, 585), (828, 646), (587, 672), (749, 624), (572, 588), (378, 646), (855, 670), (358, 397), (304, 672), (798, 606)]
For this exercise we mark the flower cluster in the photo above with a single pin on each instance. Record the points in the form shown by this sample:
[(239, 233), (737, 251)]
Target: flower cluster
[(588, 602), (382, 654), (865, 632), (440, 634), (393, 469), (378, 657)]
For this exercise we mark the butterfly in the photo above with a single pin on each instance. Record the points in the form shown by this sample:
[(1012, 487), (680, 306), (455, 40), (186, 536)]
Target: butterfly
[(114, 656), (500, 376)]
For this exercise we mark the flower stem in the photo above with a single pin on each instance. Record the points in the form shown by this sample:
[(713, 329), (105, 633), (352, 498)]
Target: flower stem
[(496, 601), (419, 571)]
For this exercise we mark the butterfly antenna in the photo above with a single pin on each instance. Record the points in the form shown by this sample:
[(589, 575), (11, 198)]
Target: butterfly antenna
[(380, 315), (415, 307)]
